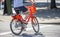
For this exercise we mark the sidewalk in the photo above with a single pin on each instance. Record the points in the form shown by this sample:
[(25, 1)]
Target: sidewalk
[(44, 16), (4, 18)]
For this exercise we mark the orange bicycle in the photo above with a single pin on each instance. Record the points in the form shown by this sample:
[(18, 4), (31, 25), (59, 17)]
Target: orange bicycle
[(16, 24)]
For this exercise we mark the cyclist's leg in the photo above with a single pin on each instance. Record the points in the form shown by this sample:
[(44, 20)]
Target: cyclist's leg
[(25, 11), (16, 10)]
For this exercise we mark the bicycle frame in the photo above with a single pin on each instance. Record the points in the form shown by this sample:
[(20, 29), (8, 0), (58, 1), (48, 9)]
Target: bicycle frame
[(32, 11), (29, 17)]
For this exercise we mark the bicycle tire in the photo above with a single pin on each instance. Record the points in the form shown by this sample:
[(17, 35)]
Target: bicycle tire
[(33, 24), (13, 30)]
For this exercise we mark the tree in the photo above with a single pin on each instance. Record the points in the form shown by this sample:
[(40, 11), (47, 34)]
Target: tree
[(53, 4), (7, 7)]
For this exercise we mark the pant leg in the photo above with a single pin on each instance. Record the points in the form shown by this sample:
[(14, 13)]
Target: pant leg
[(17, 11)]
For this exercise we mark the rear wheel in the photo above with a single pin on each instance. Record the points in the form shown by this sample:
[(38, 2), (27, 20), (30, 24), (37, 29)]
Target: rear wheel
[(16, 27), (35, 25)]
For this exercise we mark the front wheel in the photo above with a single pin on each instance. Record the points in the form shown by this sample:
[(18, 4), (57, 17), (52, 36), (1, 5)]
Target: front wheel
[(16, 27), (35, 24)]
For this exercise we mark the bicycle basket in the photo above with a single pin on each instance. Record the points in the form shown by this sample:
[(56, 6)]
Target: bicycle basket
[(32, 9)]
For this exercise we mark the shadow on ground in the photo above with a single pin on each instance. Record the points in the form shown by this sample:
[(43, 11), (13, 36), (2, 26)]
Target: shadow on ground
[(50, 13), (29, 35)]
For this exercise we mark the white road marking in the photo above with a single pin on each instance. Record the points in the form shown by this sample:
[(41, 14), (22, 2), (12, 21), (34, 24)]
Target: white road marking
[(5, 33)]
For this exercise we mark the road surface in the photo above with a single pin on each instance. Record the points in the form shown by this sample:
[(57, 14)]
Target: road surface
[(46, 30)]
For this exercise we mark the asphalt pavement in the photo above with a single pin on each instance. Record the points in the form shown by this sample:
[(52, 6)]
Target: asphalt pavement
[(46, 30)]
